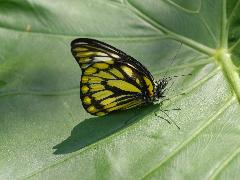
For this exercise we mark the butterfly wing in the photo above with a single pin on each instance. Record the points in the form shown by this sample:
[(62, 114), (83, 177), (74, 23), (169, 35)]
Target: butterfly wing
[(111, 80)]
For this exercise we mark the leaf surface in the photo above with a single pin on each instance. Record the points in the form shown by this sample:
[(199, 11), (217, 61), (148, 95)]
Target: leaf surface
[(46, 134)]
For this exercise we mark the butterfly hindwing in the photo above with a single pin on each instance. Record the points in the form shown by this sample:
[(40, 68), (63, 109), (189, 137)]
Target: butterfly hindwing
[(111, 80)]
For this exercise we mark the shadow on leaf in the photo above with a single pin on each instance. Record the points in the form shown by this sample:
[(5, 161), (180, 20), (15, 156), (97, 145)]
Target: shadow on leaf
[(94, 129), (2, 83)]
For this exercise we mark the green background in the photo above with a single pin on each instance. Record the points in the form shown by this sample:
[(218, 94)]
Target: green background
[(46, 134)]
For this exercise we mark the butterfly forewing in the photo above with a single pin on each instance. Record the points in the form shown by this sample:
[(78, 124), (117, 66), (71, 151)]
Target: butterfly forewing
[(111, 80)]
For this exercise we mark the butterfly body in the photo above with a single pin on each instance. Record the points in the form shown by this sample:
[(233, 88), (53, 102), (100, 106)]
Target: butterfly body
[(112, 80)]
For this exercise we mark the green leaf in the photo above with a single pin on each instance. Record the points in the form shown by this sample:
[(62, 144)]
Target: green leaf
[(46, 134)]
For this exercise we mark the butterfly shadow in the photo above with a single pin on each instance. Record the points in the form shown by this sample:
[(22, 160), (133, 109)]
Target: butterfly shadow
[(94, 129)]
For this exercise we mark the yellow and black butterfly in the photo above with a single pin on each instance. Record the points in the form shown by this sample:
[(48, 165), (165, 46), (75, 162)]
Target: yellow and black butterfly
[(112, 80)]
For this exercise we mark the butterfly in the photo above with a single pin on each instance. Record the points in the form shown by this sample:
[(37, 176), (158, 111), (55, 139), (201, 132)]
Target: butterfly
[(111, 80)]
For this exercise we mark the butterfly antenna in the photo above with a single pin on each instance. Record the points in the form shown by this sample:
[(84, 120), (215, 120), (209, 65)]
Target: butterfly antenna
[(181, 75), (173, 59)]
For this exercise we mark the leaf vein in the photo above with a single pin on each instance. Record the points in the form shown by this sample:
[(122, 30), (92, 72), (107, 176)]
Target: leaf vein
[(234, 45), (185, 9), (194, 135), (189, 42), (233, 13), (225, 162), (124, 38), (208, 29)]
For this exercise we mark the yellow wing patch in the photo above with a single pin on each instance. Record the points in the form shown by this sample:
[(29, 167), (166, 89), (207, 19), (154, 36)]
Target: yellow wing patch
[(149, 85), (116, 73), (105, 75), (138, 81), (127, 70), (110, 100), (91, 79), (102, 94), (100, 113), (114, 104), (87, 100), (85, 54), (92, 109), (77, 49), (110, 61), (123, 85), (124, 106), (84, 89), (90, 70), (84, 79), (101, 65), (96, 87)]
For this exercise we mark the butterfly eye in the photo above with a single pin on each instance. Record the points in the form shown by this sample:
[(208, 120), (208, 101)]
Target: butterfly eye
[(163, 83)]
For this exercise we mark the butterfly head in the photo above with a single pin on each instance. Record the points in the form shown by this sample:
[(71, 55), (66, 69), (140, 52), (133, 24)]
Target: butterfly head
[(161, 87)]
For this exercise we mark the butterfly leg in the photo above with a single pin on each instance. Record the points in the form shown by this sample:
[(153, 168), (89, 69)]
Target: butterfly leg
[(169, 120), (162, 118), (174, 109), (128, 122), (167, 99)]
